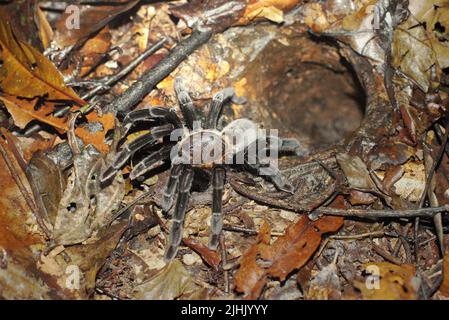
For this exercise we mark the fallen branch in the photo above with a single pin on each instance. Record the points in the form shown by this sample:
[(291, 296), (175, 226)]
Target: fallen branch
[(134, 94), (370, 214)]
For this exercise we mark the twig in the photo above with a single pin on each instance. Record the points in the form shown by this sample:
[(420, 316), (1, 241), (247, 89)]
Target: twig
[(374, 234), (387, 256), (146, 83), (231, 207), (110, 81), (102, 86), (224, 261), (252, 232), (427, 241), (233, 263), (408, 251), (22, 188), (108, 294), (437, 218), (440, 135), (370, 214), (397, 247), (129, 206)]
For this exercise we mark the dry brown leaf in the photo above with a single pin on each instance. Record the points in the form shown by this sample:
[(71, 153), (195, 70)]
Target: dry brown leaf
[(412, 183), (97, 138), (93, 51), (272, 10), (315, 17), (394, 282), (326, 284), (28, 73), (91, 257), (218, 14), (172, 282), (444, 288), (85, 207), (286, 254), (435, 13), (94, 18), (19, 278), (22, 17), (212, 258), (22, 111), (47, 184), (356, 172), (77, 276), (45, 30)]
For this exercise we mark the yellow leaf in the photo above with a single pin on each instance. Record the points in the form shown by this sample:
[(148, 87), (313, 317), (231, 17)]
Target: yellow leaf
[(386, 281), (271, 13), (23, 111), (272, 10), (28, 73)]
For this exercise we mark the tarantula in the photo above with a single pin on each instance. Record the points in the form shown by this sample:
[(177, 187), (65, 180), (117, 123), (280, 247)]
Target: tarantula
[(192, 148)]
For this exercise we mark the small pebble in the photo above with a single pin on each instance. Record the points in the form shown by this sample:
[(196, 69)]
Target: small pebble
[(288, 215), (189, 259), (153, 232)]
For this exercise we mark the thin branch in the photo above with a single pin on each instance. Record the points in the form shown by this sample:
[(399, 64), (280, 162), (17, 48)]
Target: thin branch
[(129, 206), (228, 227), (145, 84), (437, 218), (370, 214), (110, 81), (374, 234), (29, 200), (387, 256), (224, 261)]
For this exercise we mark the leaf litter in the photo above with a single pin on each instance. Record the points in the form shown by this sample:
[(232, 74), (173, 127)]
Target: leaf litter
[(61, 222)]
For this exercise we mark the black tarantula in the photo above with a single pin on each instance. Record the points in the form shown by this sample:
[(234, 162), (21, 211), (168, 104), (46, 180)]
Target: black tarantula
[(193, 148)]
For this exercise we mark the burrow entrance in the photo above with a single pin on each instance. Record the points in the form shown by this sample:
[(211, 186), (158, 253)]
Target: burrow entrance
[(306, 91)]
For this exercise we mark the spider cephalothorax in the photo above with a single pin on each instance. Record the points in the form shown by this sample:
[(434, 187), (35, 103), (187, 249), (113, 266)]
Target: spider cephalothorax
[(192, 146)]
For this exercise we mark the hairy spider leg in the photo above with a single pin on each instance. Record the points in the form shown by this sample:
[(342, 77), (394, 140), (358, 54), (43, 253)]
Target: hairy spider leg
[(128, 149), (153, 115), (275, 176), (289, 145), (269, 171), (150, 162), (182, 201), (185, 103), (170, 188), (216, 107), (216, 220)]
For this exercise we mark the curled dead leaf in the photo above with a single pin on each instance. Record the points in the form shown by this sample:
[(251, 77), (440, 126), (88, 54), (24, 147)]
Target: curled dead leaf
[(286, 254), (28, 73), (212, 258), (272, 10), (172, 282)]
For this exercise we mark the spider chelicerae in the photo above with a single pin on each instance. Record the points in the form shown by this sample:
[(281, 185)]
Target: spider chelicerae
[(193, 148)]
